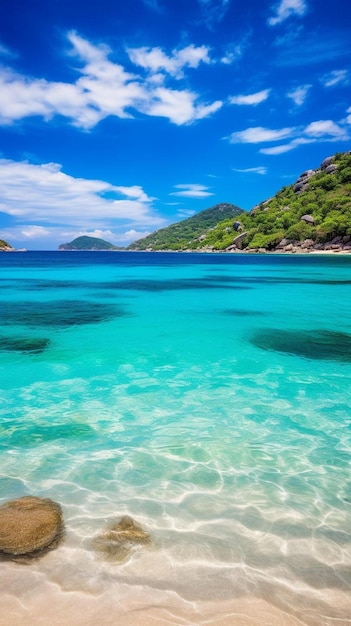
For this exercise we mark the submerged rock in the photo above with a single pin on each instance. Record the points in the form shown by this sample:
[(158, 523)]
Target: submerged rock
[(117, 542), (29, 526), (33, 345), (319, 344)]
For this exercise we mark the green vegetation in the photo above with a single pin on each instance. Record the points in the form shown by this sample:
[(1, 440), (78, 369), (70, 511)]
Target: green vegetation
[(325, 197), (4, 245), (316, 208), (187, 235), (88, 243)]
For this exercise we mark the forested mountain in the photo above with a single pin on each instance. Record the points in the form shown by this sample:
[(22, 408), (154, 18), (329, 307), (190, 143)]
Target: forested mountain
[(313, 213), (188, 233)]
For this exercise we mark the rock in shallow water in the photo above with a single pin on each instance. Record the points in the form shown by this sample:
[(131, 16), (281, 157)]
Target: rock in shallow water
[(117, 542), (29, 525)]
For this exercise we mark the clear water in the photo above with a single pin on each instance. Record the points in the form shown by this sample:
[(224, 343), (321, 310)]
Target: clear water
[(207, 396)]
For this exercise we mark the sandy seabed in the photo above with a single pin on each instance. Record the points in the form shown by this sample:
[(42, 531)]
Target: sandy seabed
[(83, 610), (42, 602)]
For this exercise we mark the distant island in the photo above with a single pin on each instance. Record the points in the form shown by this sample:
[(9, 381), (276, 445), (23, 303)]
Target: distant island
[(5, 247), (88, 243)]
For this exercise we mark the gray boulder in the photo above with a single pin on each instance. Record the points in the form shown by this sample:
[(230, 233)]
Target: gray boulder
[(326, 162), (309, 219)]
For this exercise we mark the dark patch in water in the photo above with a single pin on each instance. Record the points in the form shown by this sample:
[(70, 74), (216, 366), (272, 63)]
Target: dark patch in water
[(167, 285), (44, 285), (321, 344), (33, 345), (59, 313), (23, 437), (243, 312), (207, 282)]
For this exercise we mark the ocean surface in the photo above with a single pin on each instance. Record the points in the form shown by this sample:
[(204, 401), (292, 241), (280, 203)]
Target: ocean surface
[(208, 396)]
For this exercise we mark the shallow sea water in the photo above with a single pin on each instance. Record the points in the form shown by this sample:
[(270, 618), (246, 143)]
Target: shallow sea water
[(206, 396)]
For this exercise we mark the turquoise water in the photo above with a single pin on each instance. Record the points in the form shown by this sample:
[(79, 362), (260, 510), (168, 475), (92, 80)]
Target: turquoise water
[(207, 396)]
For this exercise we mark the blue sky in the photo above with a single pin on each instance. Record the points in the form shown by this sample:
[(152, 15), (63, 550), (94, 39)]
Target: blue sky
[(119, 118)]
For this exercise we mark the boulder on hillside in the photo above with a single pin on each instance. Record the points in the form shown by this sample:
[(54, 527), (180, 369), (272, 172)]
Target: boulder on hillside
[(308, 219), (330, 169), (30, 525), (326, 162)]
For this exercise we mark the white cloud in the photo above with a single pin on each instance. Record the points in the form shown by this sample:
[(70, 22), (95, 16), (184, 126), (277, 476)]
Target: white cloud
[(257, 134), (232, 54), (252, 170), (325, 128), (192, 191), (31, 231), (155, 60), (317, 131), (285, 9), (178, 106), (133, 235), (279, 149), (252, 99), (299, 94), (335, 77), (105, 88), (45, 194), (183, 214)]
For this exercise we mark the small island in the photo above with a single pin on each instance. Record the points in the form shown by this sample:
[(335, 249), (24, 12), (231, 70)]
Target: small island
[(5, 247), (88, 243)]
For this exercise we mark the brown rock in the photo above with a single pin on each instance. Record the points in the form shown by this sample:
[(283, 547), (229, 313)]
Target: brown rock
[(120, 538), (29, 524)]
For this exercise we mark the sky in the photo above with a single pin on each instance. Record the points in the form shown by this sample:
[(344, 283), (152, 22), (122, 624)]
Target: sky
[(120, 118)]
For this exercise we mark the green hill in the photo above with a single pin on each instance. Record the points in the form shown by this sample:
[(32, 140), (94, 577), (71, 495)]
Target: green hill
[(188, 233), (88, 243), (4, 245), (313, 213)]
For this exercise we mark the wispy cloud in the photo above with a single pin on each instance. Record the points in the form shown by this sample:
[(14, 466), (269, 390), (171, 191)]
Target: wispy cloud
[(285, 9), (6, 52), (325, 128), (257, 134), (106, 89), (192, 191), (213, 11), (251, 99), (154, 5), (336, 77), (299, 94), (317, 131), (301, 49), (252, 170)]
